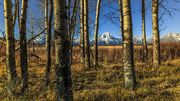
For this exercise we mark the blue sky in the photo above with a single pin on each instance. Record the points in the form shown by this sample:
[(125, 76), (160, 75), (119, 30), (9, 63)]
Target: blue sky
[(171, 24)]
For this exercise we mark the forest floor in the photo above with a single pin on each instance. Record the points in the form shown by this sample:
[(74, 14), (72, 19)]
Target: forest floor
[(103, 83)]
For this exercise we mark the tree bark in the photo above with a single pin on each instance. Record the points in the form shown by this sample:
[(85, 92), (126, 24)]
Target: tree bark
[(86, 35), (15, 12), (82, 30), (129, 71), (156, 39), (23, 46), (96, 33), (73, 27), (121, 19), (62, 53), (10, 43), (48, 38), (144, 42)]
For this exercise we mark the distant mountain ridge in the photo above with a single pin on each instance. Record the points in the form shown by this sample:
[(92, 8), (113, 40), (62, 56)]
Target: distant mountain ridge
[(108, 39), (170, 37)]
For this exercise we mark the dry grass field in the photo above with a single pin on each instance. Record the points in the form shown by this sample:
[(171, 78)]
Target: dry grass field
[(103, 83)]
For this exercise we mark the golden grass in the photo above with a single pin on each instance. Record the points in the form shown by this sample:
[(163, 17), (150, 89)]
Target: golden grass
[(104, 83)]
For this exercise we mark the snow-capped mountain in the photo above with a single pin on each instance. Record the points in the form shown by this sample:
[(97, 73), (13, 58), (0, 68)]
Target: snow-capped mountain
[(171, 37), (137, 40), (107, 39)]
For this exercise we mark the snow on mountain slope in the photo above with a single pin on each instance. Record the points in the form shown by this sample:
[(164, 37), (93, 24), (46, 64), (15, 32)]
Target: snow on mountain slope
[(137, 40), (107, 39), (171, 37)]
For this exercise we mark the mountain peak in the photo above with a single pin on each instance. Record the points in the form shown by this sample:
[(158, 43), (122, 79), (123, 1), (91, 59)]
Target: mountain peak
[(137, 39), (107, 39), (106, 35), (171, 37)]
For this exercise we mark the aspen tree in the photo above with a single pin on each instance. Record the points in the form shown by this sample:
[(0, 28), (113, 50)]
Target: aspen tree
[(156, 36), (10, 42), (129, 71), (144, 42), (48, 21), (121, 18), (82, 30), (23, 45), (62, 52), (86, 35), (96, 33)]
